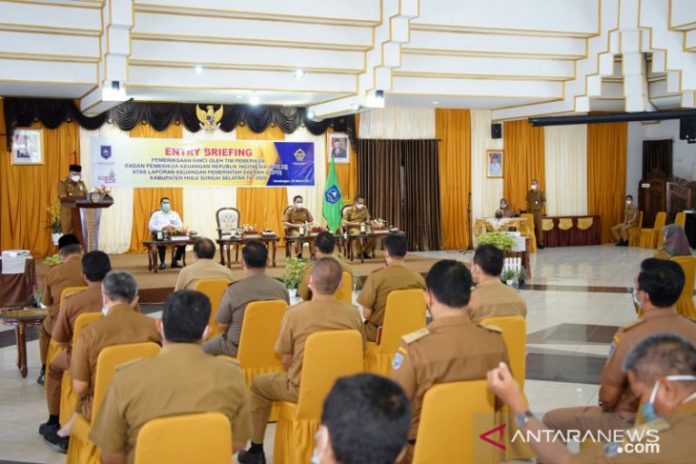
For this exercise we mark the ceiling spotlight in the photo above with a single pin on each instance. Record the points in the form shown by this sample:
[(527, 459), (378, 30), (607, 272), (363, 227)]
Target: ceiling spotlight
[(298, 74), (310, 114), (198, 68), (355, 106), (435, 102), (254, 100)]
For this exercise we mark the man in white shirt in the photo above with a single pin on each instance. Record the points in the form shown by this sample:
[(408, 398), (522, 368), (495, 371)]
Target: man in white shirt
[(167, 221)]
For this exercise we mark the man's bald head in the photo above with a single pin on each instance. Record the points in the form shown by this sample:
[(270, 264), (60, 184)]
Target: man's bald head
[(326, 276)]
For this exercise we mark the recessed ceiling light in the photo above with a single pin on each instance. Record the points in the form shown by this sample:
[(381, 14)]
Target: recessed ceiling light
[(298, 74), (239, 97), (435, 102), (355, 106), (254, 100), (310, 114), (198, 68)]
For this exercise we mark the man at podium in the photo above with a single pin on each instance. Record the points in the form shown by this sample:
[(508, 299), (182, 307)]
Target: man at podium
[(70, 188)]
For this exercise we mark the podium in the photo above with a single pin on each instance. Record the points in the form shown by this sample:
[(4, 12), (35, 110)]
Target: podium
[(85, 219)]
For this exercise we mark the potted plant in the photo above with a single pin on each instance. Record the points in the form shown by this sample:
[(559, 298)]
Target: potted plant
[(53, 210), (500, 240), (294, 271), (508, 276)]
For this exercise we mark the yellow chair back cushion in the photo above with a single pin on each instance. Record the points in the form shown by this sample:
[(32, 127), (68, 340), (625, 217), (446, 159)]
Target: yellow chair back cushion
[(213, 289), (685, 303), (345, 291), (405, 313), (185, 439), (680, 218), (515, 336), (260, 330), (452, 418)]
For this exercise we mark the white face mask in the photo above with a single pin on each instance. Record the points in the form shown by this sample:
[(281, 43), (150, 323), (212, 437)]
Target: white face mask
[(105, 310), (299, 204), (628, 202), (360, 206), (534, 186), (635, 297), (321, 441), (75, 178)]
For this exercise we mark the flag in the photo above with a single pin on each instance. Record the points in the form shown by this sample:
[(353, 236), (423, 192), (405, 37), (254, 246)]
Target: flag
[(332, 204)]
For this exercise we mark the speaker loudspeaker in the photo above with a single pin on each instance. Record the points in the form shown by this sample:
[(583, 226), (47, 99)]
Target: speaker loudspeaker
[(496, 131)]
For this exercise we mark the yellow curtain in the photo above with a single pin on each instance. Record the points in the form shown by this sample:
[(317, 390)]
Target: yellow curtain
[(146, 200), (262, 206), (606, 173), (26, 191), (523, 160), (453, 130)]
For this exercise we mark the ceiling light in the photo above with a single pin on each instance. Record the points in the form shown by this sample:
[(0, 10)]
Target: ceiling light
[(310, 114), (254, 100), (239, 97), (355, 106), (435, 102), (298, 74), (198, 68)]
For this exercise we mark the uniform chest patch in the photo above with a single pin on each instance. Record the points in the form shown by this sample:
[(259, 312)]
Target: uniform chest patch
[(398, 360)]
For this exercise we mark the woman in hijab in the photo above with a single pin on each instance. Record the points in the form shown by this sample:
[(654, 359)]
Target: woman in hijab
[(675, 243)]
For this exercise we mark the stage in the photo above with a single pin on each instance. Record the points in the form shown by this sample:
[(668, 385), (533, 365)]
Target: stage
[(154, 288)]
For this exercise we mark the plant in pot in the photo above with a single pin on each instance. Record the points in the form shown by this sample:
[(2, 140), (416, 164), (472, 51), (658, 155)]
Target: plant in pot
[(500, 240), (53, 210), (294, 271)]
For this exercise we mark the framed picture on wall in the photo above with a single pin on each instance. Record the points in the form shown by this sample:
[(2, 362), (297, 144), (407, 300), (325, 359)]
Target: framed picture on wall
[(494, 163), (27, 146), (339, 148)]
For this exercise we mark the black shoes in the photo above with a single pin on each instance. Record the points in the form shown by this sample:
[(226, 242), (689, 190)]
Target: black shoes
[(622, 243), (245, 457), (541, 246), (49, 432), (41, 380), (176, 265), (162, 266)]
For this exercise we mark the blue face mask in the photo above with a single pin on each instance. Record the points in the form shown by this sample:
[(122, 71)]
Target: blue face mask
[(648, 409), (166, 207)]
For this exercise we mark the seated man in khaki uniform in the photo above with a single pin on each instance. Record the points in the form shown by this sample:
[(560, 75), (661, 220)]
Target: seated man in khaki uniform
[(449, 349), (658, 287), (121, 324), (95, 266), (325, 248), (59, 277), (255, 286), (661, 371), (69, 189), (383, 409), (295, 217), (323, 313), (181, 380), (620, 231), (491, 297), (379, 284), (203, 268), (353, 217)]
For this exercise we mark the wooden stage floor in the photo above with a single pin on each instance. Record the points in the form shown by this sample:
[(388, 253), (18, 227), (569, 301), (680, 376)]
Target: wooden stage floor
[(154, 288)]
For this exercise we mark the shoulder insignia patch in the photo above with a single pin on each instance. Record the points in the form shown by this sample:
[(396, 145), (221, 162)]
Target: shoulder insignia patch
[(632, 325), (397, 361), (492, 328), (413, 336)]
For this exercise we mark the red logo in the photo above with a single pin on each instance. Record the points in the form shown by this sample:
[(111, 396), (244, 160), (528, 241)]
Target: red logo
[(498, 440)]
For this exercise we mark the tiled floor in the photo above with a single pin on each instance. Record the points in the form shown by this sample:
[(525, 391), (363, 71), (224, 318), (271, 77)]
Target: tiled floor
[(570, 326)]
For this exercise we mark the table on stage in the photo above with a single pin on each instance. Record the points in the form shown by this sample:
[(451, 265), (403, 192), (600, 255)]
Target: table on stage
[(17, 289), (492, 224), (152, 246), (572, 230), (21, 319), (226, 244), (379, 234)]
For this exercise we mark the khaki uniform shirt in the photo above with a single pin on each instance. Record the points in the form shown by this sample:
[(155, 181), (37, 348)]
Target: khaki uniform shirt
[(69, 189), (493, 298), (675, 440), (652, 322), (304, 292), (120, 326), (182, 379), (379, 285), (201, 269), (88, 300), (322, 313), (255, 287), (298, 216), (507, 212), (535, 200), (60, 277), (354, 214), (450, 349), (630, 214)]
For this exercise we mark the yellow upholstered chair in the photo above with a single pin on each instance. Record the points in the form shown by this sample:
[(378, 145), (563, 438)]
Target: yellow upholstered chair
[(680, 218), (634, 232), (515, 335), (345, 291), (327, 356), (453, 417), (53, 347), (81, 450), (685, 303), (528, 231), (405, 313), (650, 237), (68, 399), (204, 437), (213, 289)]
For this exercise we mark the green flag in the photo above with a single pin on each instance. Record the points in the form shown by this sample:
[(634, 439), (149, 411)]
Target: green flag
[(331, 209)]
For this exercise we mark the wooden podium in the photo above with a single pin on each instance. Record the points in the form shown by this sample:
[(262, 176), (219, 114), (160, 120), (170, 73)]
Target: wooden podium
[(85, 219)]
